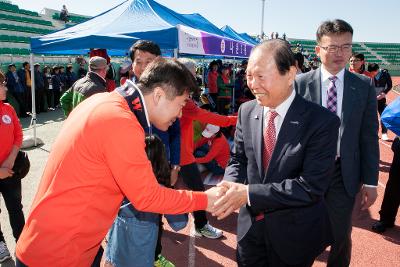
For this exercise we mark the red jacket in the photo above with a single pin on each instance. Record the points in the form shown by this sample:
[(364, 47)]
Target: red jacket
[(10, 130), (192, 112), (212, 82), (219, 150)]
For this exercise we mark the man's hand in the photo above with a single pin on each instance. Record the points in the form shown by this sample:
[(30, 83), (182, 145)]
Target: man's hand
[(368, 196), (174, 176), (381, 96), (213, 194), (234, 198), (5, 172)]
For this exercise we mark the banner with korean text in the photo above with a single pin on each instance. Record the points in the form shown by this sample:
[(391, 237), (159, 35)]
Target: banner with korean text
[(192, 41)]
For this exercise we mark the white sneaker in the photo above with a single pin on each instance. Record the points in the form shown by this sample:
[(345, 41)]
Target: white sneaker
[(209, 232), (4, 253), (385, 137)]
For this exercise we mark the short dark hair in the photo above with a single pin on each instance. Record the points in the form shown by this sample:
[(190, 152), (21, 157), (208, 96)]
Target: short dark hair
[(336, 26), (299, 58), (25, 63), (169, 74), (281, 53), (360, 56), (373, 67), (144, 45)]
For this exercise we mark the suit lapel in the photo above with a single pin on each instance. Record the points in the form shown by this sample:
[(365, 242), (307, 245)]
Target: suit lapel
[(349, 90), (314, 87), (257, 119), (290, 130)]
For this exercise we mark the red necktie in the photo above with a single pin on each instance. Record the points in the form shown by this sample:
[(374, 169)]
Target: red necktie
[(269, 137)]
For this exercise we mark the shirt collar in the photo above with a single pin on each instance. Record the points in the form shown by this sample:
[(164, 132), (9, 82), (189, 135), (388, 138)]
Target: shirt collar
[(325, 75), (283, 108)]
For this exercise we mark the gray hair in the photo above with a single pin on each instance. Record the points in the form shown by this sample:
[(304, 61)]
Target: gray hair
[(190, 64)]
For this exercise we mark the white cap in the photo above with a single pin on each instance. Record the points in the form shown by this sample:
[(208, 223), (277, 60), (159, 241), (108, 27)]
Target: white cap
[(210, 130)]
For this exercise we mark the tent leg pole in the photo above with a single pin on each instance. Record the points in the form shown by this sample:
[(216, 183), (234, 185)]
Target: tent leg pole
[(33, 120)]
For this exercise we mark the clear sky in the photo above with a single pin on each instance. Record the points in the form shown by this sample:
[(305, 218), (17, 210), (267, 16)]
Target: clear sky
[(372, 20)]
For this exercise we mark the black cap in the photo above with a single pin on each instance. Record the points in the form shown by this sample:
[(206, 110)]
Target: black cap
[(11, 65)]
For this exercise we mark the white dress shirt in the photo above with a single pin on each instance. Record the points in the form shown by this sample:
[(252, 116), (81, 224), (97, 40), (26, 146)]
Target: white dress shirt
[(325, 82), (282, 109)]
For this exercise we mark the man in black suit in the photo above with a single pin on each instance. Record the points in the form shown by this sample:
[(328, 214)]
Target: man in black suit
[(354, 97), (280, 166)]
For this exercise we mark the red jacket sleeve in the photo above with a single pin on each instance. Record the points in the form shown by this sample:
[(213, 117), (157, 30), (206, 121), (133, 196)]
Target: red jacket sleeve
[(201, 142), (17, 128), (195, 113), (215, 148)]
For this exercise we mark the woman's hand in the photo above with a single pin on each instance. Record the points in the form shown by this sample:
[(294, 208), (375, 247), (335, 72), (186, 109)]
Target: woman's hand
[(8, 163), (5, 172)]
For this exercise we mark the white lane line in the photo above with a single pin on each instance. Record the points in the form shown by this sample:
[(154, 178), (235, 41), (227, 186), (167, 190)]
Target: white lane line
[(395, 92), (192, 241), (382, 185), (389, 146), (383, 143)]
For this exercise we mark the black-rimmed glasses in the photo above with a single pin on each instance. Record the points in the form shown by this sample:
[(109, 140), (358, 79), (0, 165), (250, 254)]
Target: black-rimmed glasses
[(335, 48)]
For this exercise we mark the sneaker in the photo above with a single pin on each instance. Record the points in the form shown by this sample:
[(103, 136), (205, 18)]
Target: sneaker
[(385, 137), (209, 232), (4, 253), (163, 262)]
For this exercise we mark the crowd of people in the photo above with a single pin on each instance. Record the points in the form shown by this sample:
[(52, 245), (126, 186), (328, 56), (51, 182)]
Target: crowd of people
[(305, 143)]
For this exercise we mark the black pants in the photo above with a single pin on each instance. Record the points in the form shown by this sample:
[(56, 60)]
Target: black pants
[(20, 97), (255, 250), (391, 199), (10, 189), (28, 99), (39, 100), (381, 107), (192, 178), (340, 207)]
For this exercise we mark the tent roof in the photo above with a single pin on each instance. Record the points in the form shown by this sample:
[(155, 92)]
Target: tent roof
[(235, 35), (249, 38), (118, 28)]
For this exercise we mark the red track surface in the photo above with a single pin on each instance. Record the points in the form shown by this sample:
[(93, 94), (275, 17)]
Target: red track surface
[(369, 248)]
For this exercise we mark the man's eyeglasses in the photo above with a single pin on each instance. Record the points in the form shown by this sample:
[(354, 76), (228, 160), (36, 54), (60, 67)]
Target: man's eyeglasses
[(354, 60), (335, 48)]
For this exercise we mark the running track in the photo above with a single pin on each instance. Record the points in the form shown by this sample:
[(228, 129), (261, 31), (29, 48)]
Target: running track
[(369, 249)]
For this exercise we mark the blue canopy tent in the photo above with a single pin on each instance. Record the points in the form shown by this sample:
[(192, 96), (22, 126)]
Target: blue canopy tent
[(231, 32), (249, 38), (118, 28)]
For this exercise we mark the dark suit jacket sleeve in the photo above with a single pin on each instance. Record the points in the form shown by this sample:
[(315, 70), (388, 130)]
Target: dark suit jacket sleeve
[(314, 174), (237, 165), (175, 143), (369, 146)]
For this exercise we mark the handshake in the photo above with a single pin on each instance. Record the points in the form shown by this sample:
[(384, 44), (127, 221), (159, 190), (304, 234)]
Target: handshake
[(225, 198)]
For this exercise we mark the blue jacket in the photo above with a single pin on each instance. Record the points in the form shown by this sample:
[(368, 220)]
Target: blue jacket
[(14, 85), (172, 141)]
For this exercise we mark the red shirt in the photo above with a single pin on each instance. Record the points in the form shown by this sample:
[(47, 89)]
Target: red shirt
[(192, 112), (212, 82), (98, 157), (10, 130), (219, 150)]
